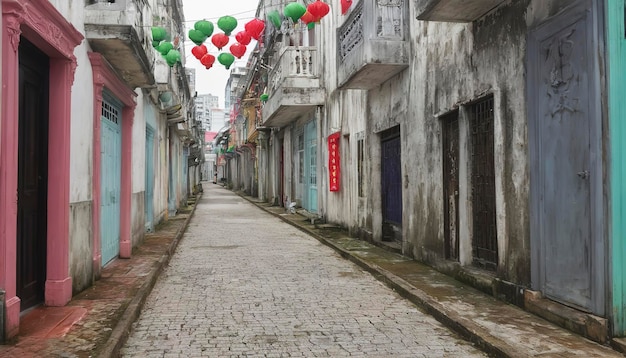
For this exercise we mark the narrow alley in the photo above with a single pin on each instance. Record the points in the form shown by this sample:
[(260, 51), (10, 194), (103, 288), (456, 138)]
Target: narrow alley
[(244, 283)]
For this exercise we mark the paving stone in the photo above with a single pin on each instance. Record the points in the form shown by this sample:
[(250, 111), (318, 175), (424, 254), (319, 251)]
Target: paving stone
[(264, 288)]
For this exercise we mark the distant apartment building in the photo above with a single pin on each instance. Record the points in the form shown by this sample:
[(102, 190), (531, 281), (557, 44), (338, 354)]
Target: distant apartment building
[(233, 88), (205, 104)]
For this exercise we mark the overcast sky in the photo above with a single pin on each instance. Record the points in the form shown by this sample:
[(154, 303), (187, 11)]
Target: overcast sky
[(213, 80)]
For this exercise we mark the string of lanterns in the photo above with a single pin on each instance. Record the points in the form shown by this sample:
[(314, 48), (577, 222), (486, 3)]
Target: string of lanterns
[(204, 29)]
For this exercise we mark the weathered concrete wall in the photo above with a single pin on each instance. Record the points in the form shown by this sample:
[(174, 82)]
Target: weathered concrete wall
[(161, 169), (346, 112), (81, 250), (81, 158), (452, 64), (455, 64), (138, 218)]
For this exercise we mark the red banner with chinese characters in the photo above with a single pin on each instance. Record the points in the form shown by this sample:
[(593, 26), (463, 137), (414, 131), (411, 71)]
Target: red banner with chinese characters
[(334, 168)]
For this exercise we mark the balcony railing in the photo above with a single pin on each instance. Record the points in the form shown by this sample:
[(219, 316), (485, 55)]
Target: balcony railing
[(454, 10), (372, 45), (294, 87), (118, 31)]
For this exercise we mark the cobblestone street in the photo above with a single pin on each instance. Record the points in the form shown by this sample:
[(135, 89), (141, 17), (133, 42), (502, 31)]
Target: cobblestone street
[(244, 283)]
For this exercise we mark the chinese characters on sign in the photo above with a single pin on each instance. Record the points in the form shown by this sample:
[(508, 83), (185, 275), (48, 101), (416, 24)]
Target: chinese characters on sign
[(334, 168)]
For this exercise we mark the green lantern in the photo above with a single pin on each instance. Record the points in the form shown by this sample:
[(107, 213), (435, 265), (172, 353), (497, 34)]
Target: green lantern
[(156, 44), (274, 17), (226, 59), (227, 24), (197, 36), (158, 34), (204, 26), (294, 11), (264, 97), (310, 25), (172, 56), (165, 47)]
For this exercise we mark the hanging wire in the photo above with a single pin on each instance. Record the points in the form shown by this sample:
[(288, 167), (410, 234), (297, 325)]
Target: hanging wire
[(233, 15)]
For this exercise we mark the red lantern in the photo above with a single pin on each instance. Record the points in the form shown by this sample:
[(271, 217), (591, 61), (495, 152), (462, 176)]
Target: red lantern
[(308, 17), (238, 49), (345, 5), (255, 28), (318, 9), (243, 37), (207, 60), (220, 40), (199, 51)]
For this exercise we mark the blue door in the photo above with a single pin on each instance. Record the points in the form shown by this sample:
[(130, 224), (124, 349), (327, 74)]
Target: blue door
[(149, 195), (310, 167), (111, 147), (566, 181)]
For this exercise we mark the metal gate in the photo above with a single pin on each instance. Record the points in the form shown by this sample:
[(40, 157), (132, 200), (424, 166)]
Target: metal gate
[(484, 235), (391, 184), (111, 147), (565, 133), (450, 133)]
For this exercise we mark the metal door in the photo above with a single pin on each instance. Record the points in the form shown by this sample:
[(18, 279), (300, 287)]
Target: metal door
[(484, 233), (566, 178), (149, 194), (32, 175), (111, 146), (450, 124), (310, 167), (391, 184)]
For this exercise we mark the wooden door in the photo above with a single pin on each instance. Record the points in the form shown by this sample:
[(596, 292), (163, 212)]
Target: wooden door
[(565, 122), (32, 174), (450, 133), (391, 184)]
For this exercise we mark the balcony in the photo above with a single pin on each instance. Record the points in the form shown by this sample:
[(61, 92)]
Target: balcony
[(294, 86), (372, 45), (117, 31), (454, 10)]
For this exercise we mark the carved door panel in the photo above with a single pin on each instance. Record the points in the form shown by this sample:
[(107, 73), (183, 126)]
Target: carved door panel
[(565, 132)]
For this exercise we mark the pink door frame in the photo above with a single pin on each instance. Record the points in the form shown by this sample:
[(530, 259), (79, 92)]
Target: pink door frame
[(105, 77), (44, 26)]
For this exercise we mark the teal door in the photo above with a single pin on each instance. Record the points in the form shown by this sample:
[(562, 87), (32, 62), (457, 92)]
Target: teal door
[(149, 194), (310, 167), (173, 168), (617, 112), (111, 147)]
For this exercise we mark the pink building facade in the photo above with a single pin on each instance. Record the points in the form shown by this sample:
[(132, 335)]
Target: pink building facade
[(41, 24)]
